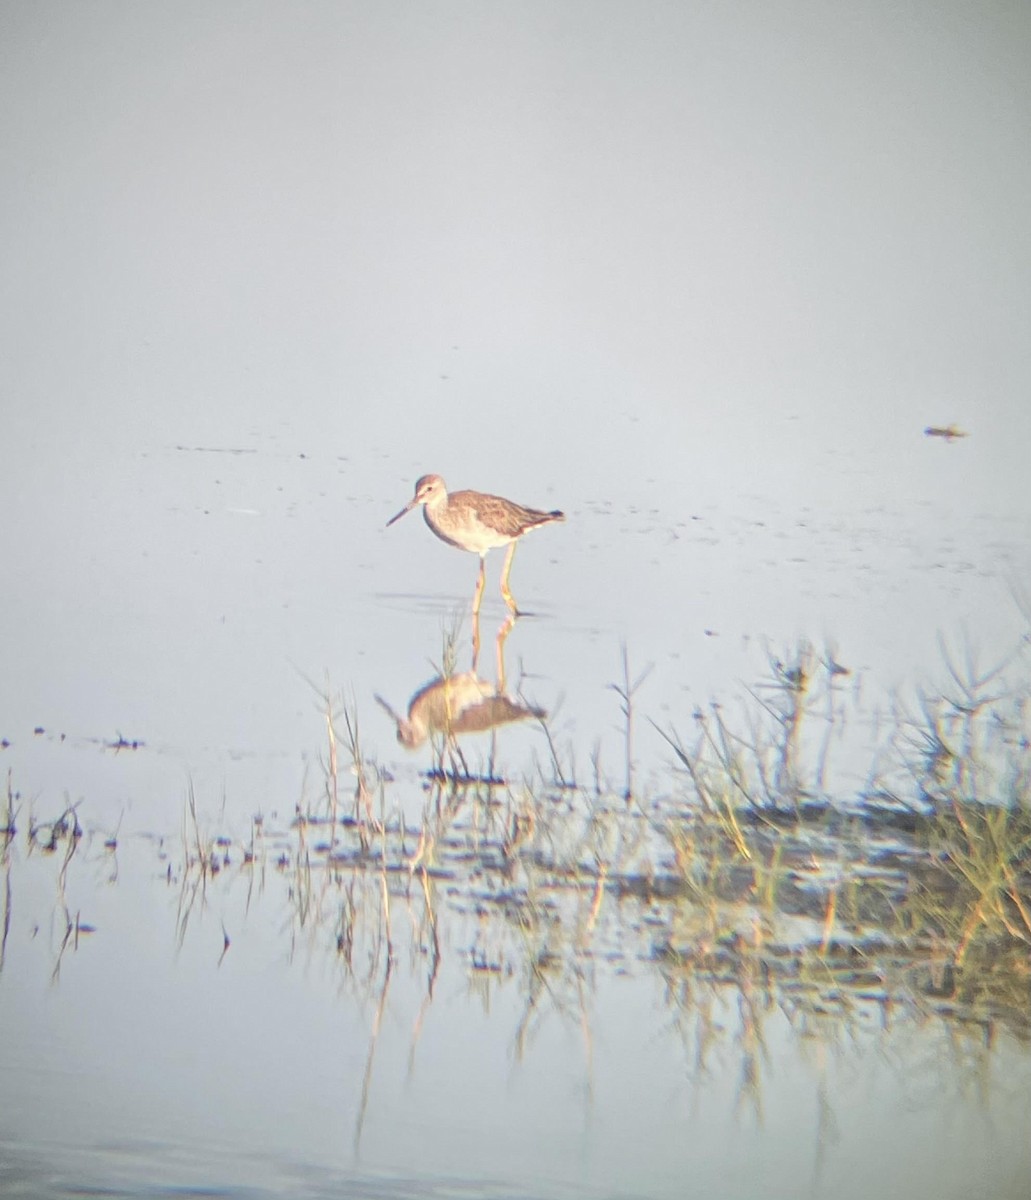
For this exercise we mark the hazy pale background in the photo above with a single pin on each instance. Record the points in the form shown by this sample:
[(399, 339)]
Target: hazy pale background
[(698, 274)]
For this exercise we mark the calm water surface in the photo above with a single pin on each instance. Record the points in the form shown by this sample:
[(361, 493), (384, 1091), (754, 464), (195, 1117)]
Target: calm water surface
[(700, 279), (208, 636), (200, 604), (147, 1055)]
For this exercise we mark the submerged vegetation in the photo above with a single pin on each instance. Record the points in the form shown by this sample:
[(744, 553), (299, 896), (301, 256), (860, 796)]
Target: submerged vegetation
[(914, 891), (739, 882)]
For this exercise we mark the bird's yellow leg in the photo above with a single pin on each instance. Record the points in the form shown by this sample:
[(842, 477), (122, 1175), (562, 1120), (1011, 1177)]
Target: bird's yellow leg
[(509, 600), (479, 587), (503, 633), (476, 640)]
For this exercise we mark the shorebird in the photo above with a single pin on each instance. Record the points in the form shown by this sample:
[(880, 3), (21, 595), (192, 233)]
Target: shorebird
[(476, 522)]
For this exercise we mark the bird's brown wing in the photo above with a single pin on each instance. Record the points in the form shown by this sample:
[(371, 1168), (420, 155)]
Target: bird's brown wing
[(507, 517)]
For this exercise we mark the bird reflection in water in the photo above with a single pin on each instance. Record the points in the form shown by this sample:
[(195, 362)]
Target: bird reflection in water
[(456, 705)]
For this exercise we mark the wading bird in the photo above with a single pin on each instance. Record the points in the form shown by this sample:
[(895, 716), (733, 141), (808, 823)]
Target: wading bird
[(476, 522)]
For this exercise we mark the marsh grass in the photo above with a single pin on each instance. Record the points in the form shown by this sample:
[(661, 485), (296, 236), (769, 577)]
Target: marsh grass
[(9, 827), (7, 835), (981, 889), (967, 753), (59, 839), (737, 884)]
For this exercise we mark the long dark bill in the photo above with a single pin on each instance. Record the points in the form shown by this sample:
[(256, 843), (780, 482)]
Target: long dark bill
[(407, 509)]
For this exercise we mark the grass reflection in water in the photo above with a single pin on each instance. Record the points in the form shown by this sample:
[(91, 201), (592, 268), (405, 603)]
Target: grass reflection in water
[(739, 886)]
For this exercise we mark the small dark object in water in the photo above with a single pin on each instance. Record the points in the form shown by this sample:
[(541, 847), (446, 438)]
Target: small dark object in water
[(947, 432), (123, 743)]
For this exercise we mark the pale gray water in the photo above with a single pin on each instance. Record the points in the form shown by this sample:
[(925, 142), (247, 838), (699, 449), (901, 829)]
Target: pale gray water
[(698, 276), (140, 1060)]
